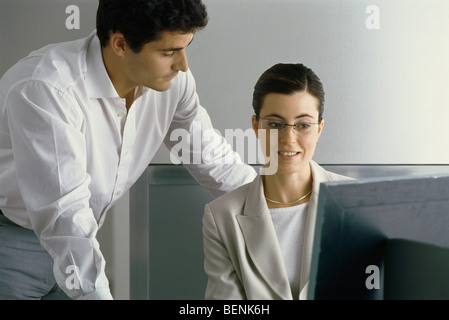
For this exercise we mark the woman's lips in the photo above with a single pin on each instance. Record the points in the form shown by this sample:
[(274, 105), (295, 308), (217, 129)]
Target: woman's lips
[(288, 154)]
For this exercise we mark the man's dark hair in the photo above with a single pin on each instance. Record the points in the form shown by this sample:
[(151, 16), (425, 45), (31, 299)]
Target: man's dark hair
[(143, 21), (286, 78)]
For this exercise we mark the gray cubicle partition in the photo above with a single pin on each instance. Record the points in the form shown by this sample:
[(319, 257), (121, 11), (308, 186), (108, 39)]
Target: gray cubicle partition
[(166, 208)]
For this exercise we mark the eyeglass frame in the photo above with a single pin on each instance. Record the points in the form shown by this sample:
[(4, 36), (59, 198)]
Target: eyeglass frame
[(285, 124)]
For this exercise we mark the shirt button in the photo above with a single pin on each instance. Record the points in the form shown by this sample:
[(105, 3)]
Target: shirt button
[(118, 193), (121, 114)]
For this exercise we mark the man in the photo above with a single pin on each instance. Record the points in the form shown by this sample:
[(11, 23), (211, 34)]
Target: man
[(80, 122)]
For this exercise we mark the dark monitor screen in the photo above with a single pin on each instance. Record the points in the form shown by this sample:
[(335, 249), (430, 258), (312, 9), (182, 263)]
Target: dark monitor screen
[(382, 238)]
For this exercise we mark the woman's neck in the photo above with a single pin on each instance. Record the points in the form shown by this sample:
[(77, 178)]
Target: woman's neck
[(288, 188)]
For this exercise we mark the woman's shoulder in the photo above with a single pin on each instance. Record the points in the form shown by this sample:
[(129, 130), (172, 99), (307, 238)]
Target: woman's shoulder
[(232, 202), (234, 196), (328, 175)]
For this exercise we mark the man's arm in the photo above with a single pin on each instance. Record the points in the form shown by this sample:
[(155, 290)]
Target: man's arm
[(50, 157)]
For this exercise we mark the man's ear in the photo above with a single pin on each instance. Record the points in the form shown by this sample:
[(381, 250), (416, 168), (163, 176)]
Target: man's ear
[(118, 43)]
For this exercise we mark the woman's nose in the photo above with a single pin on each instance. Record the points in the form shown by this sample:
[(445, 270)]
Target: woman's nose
[(289, 132)]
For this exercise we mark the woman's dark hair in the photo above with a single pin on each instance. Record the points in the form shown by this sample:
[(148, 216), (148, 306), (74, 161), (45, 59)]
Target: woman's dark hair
[(142, 21), (287, 78)]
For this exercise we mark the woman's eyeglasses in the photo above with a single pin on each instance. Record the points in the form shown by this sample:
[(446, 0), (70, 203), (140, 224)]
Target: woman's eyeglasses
[(302, 128)]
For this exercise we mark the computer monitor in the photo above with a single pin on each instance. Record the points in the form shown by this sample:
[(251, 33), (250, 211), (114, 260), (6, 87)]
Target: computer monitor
[(397, 227)]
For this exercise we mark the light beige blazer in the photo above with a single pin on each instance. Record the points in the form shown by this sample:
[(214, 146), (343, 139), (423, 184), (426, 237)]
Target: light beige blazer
[(243, 259)]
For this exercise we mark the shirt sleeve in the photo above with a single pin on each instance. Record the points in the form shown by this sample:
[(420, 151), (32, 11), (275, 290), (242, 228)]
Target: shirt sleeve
[(204, 152), (50, 156)]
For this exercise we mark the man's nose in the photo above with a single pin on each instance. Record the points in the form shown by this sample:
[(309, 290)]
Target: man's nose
[(181, 63)]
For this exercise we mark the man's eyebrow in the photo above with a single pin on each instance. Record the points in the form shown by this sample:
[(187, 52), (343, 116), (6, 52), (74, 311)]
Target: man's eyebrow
[(170, 49), (175, 49)]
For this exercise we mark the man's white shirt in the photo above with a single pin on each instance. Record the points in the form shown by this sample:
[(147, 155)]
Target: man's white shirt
[(69, 149)]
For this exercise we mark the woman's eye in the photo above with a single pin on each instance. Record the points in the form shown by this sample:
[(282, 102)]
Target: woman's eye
[(302, 125), (275, 124)]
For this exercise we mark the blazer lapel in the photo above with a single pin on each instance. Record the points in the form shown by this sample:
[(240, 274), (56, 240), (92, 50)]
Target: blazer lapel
[(261, 240)]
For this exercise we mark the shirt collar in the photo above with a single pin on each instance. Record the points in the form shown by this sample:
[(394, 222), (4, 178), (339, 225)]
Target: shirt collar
[(98, 83)]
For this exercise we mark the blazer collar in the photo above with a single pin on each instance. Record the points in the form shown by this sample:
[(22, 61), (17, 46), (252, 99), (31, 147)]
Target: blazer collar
[(261, 240)]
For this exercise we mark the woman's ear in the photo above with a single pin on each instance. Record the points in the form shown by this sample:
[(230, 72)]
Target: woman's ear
[(255, 124), (320, 128)]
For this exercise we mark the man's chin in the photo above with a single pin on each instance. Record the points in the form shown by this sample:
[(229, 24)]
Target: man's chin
[(162, 87)]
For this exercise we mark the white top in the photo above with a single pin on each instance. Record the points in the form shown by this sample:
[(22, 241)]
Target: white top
[(289, 224), (69, 150)]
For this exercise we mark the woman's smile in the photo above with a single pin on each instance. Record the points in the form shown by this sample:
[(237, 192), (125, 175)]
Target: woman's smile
[(288, 155)]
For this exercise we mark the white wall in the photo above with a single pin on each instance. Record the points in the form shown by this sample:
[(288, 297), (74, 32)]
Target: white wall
[(387, 89)]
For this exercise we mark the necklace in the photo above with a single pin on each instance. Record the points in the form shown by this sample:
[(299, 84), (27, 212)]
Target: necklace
[(278, 202)]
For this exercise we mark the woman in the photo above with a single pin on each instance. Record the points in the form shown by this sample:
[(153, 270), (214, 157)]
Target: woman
[(258, 238)]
